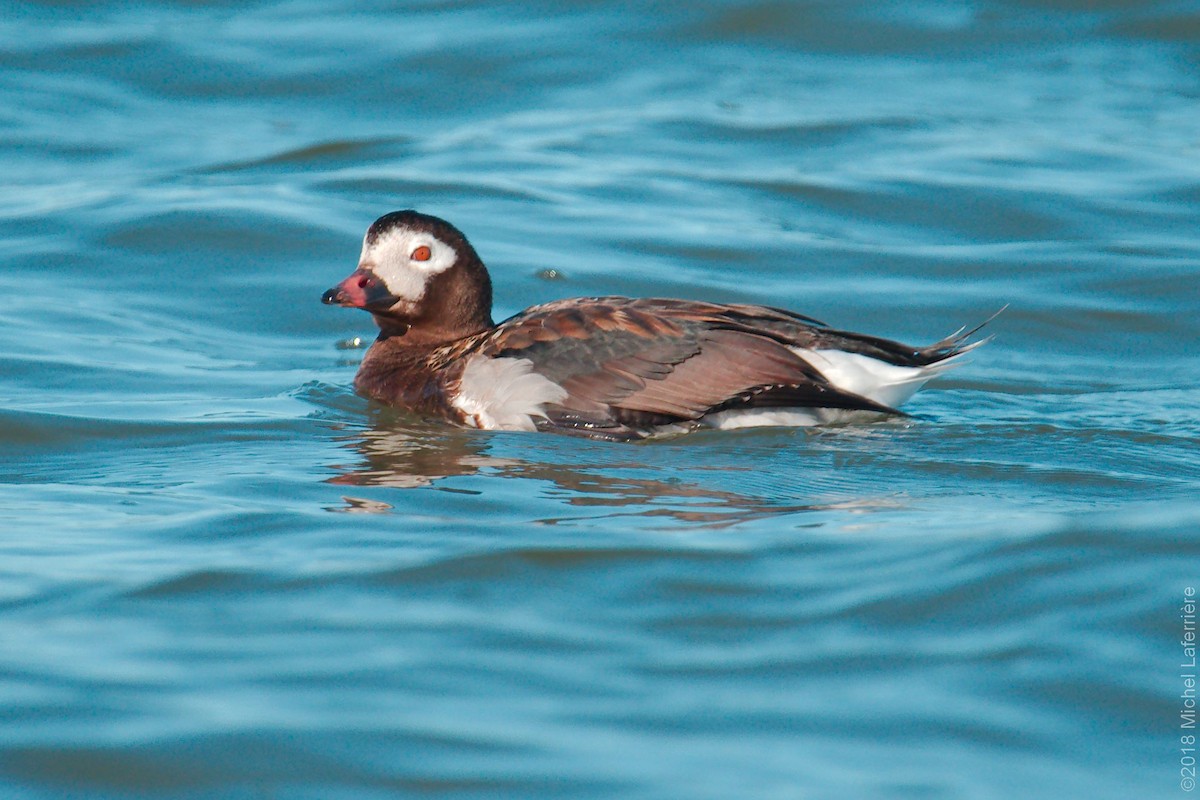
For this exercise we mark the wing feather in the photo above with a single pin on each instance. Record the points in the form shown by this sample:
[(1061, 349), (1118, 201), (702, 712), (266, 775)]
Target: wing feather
[(633, 363)]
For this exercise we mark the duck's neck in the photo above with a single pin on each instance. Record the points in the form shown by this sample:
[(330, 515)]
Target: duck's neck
[(445, 325), (427, 336)]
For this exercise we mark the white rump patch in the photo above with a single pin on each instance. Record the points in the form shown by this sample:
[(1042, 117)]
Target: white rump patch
[(505, 393), (871, 378), (868, 377), (390, 258)]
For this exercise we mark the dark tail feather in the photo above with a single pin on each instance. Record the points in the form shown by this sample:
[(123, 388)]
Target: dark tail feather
[(956, 343), (905, 355)]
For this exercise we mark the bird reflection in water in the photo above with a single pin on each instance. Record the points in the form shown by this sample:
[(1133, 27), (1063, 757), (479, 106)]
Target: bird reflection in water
[(410, 454)]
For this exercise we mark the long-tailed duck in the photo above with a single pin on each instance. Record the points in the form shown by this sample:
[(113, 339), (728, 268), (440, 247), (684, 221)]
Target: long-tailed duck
[(613, 368)]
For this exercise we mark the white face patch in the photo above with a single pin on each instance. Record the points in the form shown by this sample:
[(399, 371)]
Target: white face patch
[(390, 257)]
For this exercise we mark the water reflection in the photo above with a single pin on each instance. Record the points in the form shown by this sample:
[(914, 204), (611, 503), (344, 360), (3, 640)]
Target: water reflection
[(421, 455)]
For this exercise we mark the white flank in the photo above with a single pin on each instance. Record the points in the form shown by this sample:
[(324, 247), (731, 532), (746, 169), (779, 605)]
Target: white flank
[(871, 378), (783, 417), (390, 257), (758, 418), (504, 393)]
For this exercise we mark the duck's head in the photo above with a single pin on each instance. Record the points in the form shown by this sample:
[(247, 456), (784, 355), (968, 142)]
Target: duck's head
[(418, 275)]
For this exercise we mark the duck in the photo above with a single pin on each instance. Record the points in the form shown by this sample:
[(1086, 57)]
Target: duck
[(611, 368)]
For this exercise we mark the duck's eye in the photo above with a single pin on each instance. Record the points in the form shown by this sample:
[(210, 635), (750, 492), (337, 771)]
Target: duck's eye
[(421, 254)]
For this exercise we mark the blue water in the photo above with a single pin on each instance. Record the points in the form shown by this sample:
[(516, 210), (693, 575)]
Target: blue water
[(224, 575)]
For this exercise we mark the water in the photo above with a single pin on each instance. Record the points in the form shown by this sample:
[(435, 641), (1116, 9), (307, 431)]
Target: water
[(223, 575)]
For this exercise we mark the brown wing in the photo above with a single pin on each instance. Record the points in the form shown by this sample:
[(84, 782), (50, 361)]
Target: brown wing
[(628, 365)]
